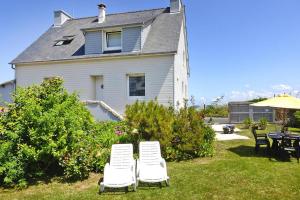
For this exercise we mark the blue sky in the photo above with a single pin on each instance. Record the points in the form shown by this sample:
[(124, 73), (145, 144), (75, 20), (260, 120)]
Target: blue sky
[(238, 48)]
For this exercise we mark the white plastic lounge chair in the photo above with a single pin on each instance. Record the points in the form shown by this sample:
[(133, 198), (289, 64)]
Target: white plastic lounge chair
[(120, 172), (151, 167)]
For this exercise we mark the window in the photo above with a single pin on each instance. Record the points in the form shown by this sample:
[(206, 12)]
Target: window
[(136, 85), (113, 40), (64, 41)]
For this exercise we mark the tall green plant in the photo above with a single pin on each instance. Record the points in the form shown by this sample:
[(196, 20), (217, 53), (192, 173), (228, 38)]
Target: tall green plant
[(46, 132), (247, 122), (263, 123), (182, 134), (191, 137), (149, 121)]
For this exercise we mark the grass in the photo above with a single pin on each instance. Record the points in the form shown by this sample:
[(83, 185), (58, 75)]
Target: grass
[(235, 172), (295, 130)]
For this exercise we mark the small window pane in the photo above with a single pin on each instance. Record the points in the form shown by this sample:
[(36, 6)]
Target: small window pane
[(136, 86), (113, 39)]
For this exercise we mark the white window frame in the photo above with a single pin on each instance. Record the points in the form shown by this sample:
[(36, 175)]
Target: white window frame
[(128, 88), (106, 48)]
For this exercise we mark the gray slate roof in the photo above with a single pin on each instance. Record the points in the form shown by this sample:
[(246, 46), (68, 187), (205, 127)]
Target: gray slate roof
[(162, 38)]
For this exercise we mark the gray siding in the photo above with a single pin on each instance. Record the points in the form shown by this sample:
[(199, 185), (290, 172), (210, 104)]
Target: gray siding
[(239, 111), (93, 42), (131, 39), (101, 114), (6, 91)]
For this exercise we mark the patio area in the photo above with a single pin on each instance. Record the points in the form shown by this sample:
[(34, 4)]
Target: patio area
[(220, 136)]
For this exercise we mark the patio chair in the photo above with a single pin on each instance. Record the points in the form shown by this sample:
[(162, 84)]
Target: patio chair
[(291, 144), (151, 167), (260, 140), (120, 172)]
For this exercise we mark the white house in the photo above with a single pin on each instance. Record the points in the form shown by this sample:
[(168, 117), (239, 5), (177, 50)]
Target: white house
[(112, 60)]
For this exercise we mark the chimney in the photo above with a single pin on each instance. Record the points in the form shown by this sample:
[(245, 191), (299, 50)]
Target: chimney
[(102, 14), (175, 6), (60, 17)]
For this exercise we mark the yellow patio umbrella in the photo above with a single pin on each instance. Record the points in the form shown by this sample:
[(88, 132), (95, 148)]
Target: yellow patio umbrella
[(283, 102)]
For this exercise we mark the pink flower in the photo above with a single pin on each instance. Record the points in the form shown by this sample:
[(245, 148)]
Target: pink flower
[(118, 132)]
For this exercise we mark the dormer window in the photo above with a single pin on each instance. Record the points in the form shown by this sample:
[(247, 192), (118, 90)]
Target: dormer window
[(113, 41), (64, 41)]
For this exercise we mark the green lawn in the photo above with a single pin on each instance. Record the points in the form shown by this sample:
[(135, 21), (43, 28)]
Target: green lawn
[(235, 172)]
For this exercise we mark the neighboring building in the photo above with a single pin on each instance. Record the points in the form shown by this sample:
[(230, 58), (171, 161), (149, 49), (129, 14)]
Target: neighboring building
[(112, 60), (239, 111), (6, 90)]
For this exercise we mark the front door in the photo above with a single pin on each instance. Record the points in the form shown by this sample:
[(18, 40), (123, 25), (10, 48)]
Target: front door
[(99, 88)]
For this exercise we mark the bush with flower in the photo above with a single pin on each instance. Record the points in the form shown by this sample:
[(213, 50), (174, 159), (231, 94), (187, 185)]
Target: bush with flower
[(49, 132)]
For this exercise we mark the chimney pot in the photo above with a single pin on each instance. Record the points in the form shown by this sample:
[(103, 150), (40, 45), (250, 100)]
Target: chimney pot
[(102, 13), (102, 5)]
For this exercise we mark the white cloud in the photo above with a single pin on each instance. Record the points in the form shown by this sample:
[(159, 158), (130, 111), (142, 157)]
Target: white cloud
[(247, 95), (282, 87), (247, 85)]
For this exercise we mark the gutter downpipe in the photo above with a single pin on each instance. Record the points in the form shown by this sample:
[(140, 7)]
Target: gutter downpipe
[(14, 68)]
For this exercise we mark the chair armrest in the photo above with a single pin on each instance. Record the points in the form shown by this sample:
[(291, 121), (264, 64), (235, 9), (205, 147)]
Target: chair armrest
[(106, 168), (164, 165), (163, 162), (262, 135)]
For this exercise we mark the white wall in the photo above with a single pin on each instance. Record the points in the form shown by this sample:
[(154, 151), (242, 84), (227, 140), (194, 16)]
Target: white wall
[(78, 77), (180, 69), (5, 92)]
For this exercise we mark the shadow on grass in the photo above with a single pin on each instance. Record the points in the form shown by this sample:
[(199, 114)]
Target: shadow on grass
[(151, 186), (248, 151), (125, 190)]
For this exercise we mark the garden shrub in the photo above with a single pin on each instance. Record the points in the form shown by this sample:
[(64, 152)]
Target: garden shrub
[(296, 118), (263, 123), (191, 137), (48, 132), (105, 135), (182, 134), (247, 123), (216, 111), (149, 121)]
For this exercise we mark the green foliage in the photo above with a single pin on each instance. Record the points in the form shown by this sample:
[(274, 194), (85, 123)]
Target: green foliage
[(149, 121), (263, 123), (191, 137), (182, 134), (258, 100), (247, 123), (105, 135), (216, 111), (297, 119), (47, 132)]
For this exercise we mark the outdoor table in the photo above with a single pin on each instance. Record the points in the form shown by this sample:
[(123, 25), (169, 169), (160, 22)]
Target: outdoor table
[(277, 138)]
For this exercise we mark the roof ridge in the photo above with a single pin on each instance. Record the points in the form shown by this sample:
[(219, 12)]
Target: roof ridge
[(137, 11)]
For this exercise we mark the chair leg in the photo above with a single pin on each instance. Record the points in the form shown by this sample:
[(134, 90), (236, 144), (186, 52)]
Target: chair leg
[(167, 182), (269, 150), (256, 148), (298, 154), (101, 188)]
